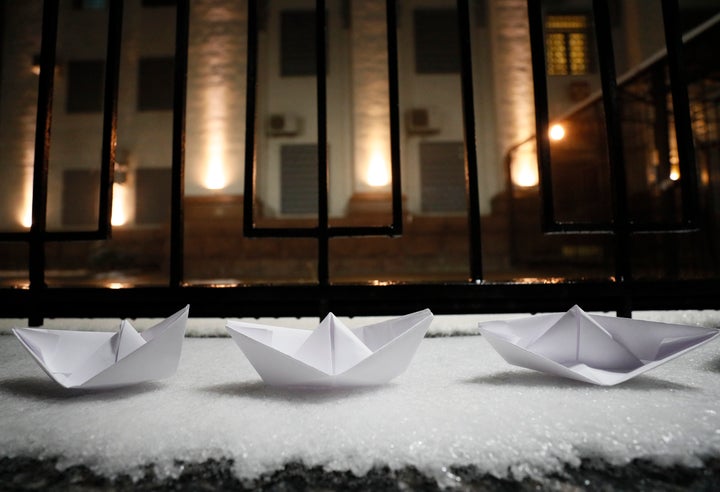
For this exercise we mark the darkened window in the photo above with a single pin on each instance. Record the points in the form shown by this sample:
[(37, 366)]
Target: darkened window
[(297, 43), (155, 84), (80, 197), (442, 176), (298, 179), (90, 4), (159, 3), (437, 48), (152, 196), (85, 86), (567, 44)]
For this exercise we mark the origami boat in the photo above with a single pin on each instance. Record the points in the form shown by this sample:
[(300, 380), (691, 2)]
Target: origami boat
[(332, 354), (87, 359), (595, 349)]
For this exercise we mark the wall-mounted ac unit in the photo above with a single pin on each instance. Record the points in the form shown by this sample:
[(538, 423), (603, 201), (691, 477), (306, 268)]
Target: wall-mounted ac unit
[(283, 125), (422, 121)]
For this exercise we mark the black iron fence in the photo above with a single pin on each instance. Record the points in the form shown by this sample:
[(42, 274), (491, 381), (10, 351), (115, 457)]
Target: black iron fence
[(694, 197)]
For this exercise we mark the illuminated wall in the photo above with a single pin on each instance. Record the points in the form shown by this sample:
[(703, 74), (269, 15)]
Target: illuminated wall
[(215, 139), (371, 113), (18, 96), (357, 99), (513, 80)]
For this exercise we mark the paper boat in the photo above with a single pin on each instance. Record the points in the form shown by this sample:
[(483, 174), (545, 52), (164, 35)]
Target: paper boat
[(601, 350), (332, 354), (90, 359)]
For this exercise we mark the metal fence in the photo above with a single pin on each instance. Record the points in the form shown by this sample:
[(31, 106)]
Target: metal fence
[(621, 292)]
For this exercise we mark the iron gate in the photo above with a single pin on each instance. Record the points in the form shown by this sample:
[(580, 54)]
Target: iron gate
[(622, 292)]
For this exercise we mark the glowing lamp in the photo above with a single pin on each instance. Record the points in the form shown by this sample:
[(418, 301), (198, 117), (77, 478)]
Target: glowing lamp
[(556, 132), (524, 172), (215, 180), (25, 211), (119, 205), (215, 173), (377, 173), (26, 217)]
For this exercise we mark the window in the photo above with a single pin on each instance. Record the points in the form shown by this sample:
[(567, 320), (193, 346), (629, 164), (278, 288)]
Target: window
[(567, 45), (159, 3), (437, 47), (80, 197), (297, 43), (298, 179), (85, 86), (155, 84), (442, 176), (152, 196), (90, 4)]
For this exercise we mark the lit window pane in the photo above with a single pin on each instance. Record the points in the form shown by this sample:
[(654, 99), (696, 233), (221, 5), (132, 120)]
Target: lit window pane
[(566, 22), (567, 45), (557, 57), (578, 53)]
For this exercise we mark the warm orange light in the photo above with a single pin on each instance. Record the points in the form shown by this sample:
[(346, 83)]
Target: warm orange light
[(557, 132), (215, 172), (524, 172), (119, 205), (216, 115), (116, 285), (377, 173), (705, 176), (674, 161), (25, 211)]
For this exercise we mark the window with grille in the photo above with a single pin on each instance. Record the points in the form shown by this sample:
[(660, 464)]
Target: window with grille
[(152, 196), (297, 43), (155, 84), (298, 179), (437, 46), (80, 197), (85, 86), (159, 3), (442, 176), (90, 4), (567, 44)]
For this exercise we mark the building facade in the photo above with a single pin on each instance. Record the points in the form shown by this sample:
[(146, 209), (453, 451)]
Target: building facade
[(431, 135)]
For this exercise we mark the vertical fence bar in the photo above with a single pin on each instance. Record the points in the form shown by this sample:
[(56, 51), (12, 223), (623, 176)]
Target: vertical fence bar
[(471, 165), (321, 74), (110, 109), (250, 108), (177, 217), (608, 80), (681, 111), (542, 118), (46, 83), (394, 101)]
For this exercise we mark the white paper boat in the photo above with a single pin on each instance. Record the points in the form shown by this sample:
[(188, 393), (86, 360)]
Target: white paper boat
[(91, 359), (595, 349), (332, 354)]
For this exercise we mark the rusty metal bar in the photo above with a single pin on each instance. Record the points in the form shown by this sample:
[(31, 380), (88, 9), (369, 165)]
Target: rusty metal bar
[(471, 164), (177, 217)]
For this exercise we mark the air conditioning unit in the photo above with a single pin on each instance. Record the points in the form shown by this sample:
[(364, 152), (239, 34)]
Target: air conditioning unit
[(422, 121), (283, 125)]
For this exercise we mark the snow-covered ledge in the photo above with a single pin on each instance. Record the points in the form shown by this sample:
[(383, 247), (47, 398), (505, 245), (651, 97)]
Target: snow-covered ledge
[(459, 404)]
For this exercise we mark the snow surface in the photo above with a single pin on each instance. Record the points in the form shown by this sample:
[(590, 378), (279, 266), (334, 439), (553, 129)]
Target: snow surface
[(459, 403)]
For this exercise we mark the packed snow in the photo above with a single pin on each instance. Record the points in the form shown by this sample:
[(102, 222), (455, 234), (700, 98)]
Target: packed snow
[(458, 403)]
